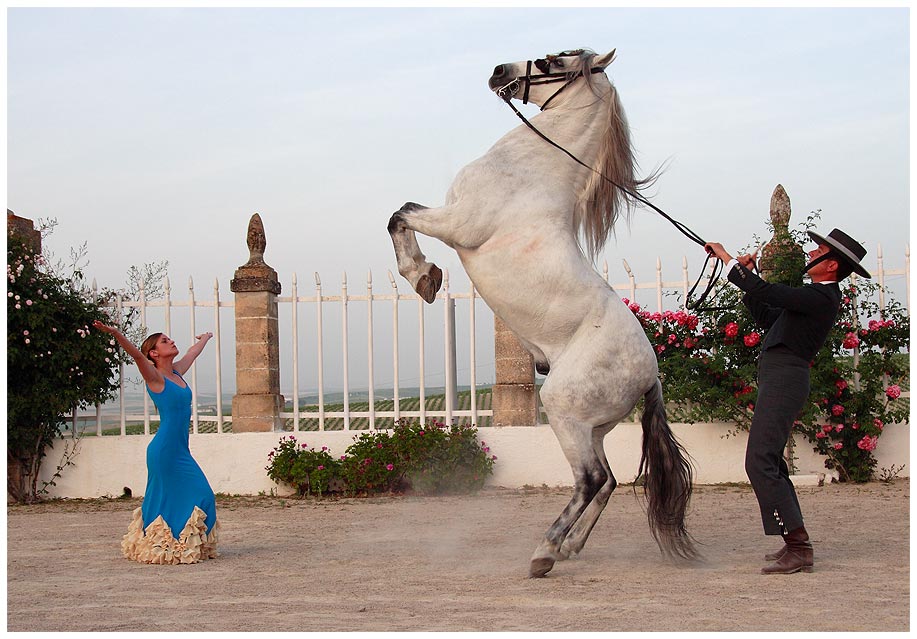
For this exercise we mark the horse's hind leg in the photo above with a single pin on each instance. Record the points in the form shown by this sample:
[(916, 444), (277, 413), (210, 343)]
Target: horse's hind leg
[(589, 477), (578, 535), (425, 277)]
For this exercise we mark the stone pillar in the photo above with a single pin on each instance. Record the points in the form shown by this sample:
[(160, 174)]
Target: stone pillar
[(25, 229), (515, 402), (258, 402)]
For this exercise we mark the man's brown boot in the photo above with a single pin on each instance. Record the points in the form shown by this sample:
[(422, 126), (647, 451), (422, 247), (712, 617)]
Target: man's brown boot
[(774, 556), (798, 555)]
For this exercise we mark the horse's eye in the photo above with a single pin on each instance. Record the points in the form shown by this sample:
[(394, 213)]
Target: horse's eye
[(559, 63)]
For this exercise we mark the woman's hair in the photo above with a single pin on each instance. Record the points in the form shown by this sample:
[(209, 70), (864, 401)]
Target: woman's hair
[(149, 344)]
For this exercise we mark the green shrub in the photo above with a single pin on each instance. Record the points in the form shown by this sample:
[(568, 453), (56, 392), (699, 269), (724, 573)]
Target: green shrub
[(56, 363), (306, 469), (430, 459)]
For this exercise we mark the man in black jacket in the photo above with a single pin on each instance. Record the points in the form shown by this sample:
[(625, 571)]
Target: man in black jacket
[(797, 321)]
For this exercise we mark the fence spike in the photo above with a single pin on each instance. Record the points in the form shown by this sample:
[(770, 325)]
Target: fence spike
[(294, 278), (627, 267), (369, 278), (216, 285), (318, 280), (344, 279), (190, 283), (391, 278)]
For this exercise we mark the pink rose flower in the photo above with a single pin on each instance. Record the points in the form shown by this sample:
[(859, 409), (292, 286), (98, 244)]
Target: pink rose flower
[(827, 428), (838, 446), (893, 391), (660, 348), (841, 384), (838, 428), (389, 467), (321, 468), (820, 435), (851, 340), (837, 410), (731, 329), (868, 443)]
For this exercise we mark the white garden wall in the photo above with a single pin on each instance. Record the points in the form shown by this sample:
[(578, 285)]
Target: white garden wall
[(235, 463)]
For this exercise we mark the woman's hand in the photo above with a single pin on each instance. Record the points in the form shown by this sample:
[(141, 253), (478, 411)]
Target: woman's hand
[(104, 327), (204, 336)]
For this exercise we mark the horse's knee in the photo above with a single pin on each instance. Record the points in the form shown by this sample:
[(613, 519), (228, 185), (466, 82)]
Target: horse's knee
[(593, 480)]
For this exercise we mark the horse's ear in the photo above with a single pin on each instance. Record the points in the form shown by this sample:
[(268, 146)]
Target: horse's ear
[(603, 61)]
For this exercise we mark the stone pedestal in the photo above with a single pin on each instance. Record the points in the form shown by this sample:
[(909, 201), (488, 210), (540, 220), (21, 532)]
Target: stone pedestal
[(514, 398), (258, 402)]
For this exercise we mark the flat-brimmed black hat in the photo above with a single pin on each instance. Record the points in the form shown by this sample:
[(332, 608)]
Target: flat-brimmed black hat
[(845, 248)]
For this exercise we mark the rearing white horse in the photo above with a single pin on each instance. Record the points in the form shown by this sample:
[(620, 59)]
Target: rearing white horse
[(518, 218)]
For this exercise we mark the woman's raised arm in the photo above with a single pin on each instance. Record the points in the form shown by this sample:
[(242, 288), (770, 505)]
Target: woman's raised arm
[(147, 369)]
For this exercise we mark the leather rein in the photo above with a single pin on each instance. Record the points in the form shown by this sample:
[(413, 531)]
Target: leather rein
[(507, 92)]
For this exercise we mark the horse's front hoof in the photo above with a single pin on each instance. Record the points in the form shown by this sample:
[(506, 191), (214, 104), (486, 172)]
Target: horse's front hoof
[(540, 567), (428, 284)]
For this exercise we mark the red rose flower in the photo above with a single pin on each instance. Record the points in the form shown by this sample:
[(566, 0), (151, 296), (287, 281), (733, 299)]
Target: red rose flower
[(752, 339)]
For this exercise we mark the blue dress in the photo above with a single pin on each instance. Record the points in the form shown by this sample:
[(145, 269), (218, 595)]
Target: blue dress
[(178, 498)]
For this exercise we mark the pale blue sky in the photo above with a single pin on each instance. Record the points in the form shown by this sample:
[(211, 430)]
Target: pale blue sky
[(156, 133)]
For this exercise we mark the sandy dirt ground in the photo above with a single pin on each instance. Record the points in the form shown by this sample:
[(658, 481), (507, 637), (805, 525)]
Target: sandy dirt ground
[(414, 563)]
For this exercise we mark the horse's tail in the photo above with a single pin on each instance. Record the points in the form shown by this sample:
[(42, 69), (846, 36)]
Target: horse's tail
[(668, 478)]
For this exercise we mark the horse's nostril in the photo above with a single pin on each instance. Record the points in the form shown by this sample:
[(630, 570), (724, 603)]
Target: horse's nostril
[(498, 70)]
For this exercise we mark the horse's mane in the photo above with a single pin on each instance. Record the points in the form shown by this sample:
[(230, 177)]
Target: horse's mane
[(600, 203)]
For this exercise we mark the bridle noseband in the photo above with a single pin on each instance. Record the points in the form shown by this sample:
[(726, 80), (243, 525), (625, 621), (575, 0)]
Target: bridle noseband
[(545, 77)]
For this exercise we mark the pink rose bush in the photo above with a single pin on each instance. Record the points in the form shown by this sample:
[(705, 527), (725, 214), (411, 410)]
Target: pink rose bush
[(708, 367)]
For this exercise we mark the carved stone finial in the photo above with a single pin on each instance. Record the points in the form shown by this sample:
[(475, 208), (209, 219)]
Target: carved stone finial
[(255, 275), (781, 244), (780, 210), (257, 240)]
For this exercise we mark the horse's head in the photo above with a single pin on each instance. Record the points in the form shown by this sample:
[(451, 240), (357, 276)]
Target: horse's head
[(562, 68)]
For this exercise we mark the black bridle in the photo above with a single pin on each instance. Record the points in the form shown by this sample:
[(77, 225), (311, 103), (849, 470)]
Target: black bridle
[(509, 90), (545, 77)]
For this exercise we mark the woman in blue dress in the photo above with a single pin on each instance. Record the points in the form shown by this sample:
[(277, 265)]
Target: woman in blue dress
[(177, 522)]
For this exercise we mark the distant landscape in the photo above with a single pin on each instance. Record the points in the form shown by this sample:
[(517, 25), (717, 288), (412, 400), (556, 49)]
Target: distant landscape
[(409, 400)]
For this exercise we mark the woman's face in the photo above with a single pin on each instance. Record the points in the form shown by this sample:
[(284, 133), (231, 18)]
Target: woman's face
[(165, 346)]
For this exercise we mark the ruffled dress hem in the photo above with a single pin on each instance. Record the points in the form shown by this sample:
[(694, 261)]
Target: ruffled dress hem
[(156, 545)]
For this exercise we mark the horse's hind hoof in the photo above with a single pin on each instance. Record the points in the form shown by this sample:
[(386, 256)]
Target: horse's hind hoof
[(540, 567), (428, 285)]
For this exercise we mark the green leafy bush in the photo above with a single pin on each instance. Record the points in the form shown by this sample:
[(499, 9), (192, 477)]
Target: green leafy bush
[(306, 469), (55, 362), (430, 459)]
